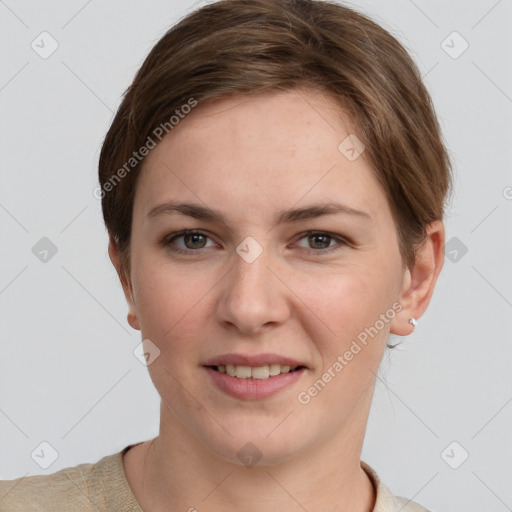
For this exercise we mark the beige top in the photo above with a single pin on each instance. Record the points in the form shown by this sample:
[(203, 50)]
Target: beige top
[(103, 487)]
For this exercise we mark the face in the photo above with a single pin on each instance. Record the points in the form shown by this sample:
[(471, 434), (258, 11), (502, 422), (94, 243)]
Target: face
[(268, 278)]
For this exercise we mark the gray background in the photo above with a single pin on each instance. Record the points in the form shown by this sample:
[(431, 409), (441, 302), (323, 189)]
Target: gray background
[(68, 375)]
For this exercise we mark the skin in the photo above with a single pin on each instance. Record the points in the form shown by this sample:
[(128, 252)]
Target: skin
[(250, 157)]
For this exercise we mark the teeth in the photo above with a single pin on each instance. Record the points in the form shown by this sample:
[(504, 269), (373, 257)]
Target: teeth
[(255, 372), (243, 372), (275, 369), (260, 372)]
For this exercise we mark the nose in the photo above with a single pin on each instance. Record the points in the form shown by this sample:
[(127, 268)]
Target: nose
[(253, 296)]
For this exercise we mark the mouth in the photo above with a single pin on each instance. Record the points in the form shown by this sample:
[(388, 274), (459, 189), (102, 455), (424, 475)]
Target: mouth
[(254, 376), (263, 372)]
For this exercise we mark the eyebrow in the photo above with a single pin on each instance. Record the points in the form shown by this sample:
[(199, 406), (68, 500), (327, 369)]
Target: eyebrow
[(285, 216)]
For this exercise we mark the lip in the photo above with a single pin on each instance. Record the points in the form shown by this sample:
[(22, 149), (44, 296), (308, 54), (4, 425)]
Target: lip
[(253, 389), (252, 360)]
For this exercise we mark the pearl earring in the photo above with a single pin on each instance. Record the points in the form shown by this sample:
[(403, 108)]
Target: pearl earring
[(413, 321)]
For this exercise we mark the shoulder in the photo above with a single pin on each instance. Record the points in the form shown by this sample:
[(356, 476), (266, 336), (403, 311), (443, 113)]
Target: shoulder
[(68, 489), (406, 505), (386, 501), (83, 488)]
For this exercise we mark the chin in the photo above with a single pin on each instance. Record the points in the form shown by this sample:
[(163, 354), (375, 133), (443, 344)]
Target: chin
[(251, 443)]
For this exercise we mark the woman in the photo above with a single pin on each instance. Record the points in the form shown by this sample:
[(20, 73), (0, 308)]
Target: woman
[(273, 185)]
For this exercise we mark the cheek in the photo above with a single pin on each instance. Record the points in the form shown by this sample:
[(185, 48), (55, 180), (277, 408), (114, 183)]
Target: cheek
[(172, 308), (170, 303), (348, 332), (349, 299)]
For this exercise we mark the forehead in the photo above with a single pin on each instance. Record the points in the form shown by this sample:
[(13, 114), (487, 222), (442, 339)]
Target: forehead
[(287, 121), (260, 151)]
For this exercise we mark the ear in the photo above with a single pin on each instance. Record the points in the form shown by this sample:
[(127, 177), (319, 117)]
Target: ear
[(124, 277), (419, 281)]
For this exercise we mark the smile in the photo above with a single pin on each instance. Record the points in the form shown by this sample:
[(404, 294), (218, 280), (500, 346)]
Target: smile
[(255, 372)]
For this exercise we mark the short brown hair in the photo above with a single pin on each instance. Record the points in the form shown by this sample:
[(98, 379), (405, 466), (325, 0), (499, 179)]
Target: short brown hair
[(244, 47)]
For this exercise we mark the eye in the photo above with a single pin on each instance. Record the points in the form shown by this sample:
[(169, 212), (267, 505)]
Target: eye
[(191, 241), (320, 242)]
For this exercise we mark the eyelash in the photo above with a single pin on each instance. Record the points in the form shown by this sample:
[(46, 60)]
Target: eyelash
[(317, 252)]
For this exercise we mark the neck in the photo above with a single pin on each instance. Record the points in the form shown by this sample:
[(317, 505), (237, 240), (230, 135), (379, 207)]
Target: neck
[(174, 472)]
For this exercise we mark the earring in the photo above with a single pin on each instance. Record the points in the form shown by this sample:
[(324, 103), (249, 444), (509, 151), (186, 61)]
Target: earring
[(413, 321)]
